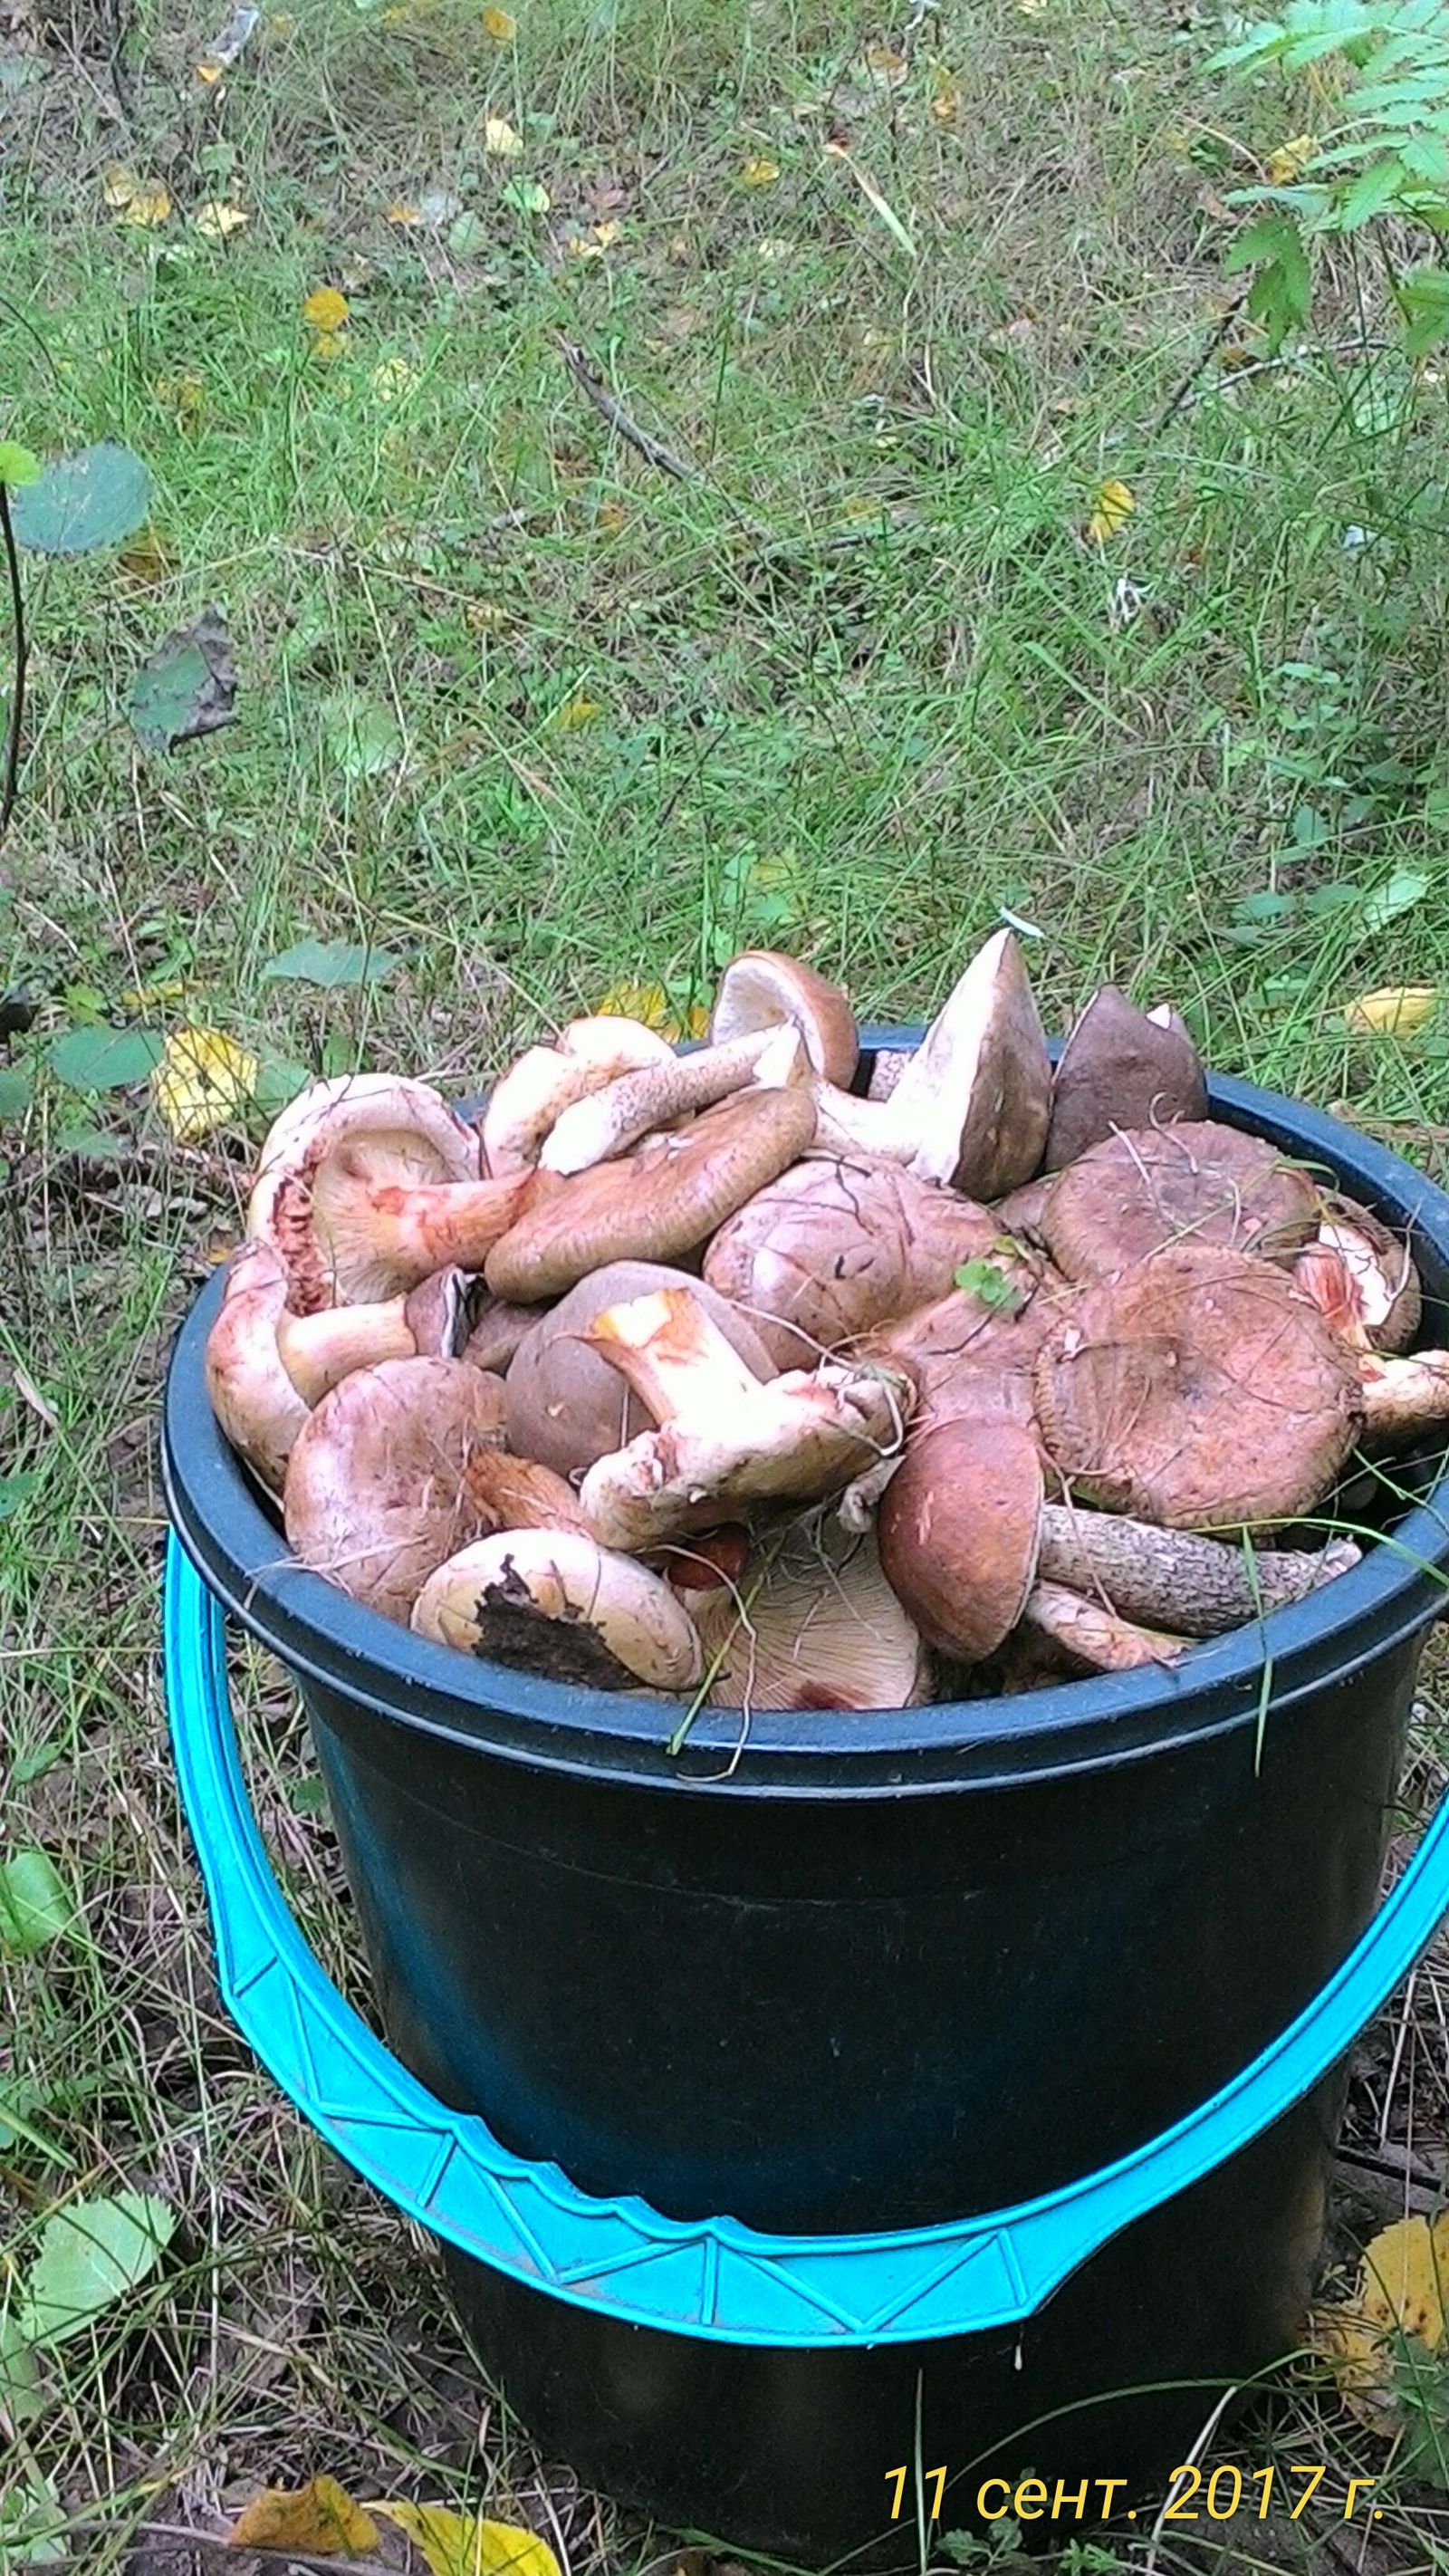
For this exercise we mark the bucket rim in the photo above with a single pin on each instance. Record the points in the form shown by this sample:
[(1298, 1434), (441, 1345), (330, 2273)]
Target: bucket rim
[(327, 1639)]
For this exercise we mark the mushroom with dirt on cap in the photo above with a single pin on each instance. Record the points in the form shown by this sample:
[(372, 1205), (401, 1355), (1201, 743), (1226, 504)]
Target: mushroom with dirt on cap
[(555, 1603), (725, 1441), (368, 1184)]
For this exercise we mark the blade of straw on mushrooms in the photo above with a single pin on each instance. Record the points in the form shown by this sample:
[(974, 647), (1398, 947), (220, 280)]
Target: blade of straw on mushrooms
[(1196, 1183), (811, 1624)]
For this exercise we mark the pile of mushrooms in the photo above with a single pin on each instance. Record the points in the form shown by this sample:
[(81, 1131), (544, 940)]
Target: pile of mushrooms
[(778, 1378)]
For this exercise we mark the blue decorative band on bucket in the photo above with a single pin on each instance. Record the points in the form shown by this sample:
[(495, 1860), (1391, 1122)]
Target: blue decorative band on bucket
[(715, 2278)]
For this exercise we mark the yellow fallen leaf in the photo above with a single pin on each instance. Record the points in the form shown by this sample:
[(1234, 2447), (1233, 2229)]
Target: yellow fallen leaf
[(208, 74), (486, 616), (184, 395), (118, 186), (1114, 505), (758, 172), (1394, 1011), (1291, 160), (217, 221), (320, 2518), (578, 711), (151, 997), (1402, 2284), (650, 1004), (501, 140), (498, 24), (391, 378), (147, 558), (945, 98), (458, 2544), (325, 309), (400, 212), (137, 201), (201, 1082), (329, 344)]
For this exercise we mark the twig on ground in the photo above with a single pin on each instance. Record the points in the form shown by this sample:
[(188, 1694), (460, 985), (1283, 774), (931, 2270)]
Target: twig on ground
[(1200, 364), (610, 409)]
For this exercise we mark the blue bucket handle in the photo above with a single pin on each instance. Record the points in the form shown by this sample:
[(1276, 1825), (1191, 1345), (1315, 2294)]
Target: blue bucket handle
[(712, 2278)]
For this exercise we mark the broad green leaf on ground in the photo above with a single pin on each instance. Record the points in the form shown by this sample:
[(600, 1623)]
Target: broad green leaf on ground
[(80, 502), (364, 738), (91, 2253), (279, 1079), (21, 2392), (187, 686), (1387, 902), (13, 1492), (17, 465), (14, 1091), (31, 2525), (35, 1903), (104, 1059), (458, 2544), (319, 2518), (330, 962), (203, 1081)]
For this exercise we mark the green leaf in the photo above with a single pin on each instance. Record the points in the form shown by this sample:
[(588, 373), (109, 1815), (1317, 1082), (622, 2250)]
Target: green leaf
[(21, 2395), (13, 1491), (17, 465), (364, 738), (83, 501), (1373, 189), (525, 196), (14, 1091), (1400, 895), (35, 1904), (468, 236), (18, 2099), (186, 687), (990, 1285), (1424, 298), (1281, 294), (330, 962), (279, 1079), (91, 2253), (104, 1059)]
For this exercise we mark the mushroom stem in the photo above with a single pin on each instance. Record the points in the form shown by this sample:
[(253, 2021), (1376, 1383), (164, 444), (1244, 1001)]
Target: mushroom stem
[(439, 1224), (672, 1355), (595, 1129), (1094, 1636), (1402, 1397), (1203, 1585), (318, 1351)]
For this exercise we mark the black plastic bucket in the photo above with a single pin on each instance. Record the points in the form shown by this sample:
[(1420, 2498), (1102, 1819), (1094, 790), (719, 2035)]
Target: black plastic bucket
[(873, 1973)]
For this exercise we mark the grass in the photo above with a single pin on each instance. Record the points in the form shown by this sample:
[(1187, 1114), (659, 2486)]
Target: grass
[(537, 716)]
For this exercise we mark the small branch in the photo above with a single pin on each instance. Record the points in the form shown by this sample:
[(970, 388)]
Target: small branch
[(610, 409), (17, 702), (1201, 363)]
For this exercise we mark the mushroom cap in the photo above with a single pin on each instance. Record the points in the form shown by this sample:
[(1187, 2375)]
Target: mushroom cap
[(1120, 1069), (1150, 1188), (553, 1602), (373, 1128), (959, 1531), (252, 1396), (836, 1246), (1200, 1390), (1021, 1211), (664, 1199), (532, 1095), (566, 1405), (968, 1357), (761, 989), (976, 1095), (376, 1491), (498, 1332), (810, 1623), (1363, 1276)]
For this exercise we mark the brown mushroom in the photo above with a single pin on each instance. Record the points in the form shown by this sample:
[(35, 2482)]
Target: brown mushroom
[(663, 1200), (368, 1184), (566, 1405), (553, 1602), (377, 1486), (973, 1350), (808, 1622), (760, 989), (725, 1441), (1201, 1390), (497, 1332), (528, 1100), (1120, 1069), (966, 1532), (972, 1106), (1363, 1277), (1021, 1211), (836, 1246), (1195, 1183), (266, 1367), (612, 1119)]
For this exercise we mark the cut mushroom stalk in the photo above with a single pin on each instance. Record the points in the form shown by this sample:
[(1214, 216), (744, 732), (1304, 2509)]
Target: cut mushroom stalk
[(966, 1531), (368, 1185), (554, 1603), (724, 1439), (1093, 1636), (609, 1121)]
